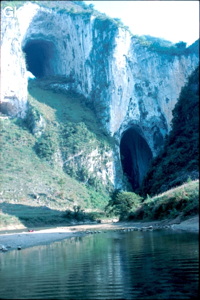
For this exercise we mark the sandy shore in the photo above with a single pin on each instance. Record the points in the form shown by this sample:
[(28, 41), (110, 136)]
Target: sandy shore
[(26, 239)]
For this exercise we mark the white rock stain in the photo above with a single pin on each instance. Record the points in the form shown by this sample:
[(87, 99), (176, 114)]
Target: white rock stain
[(139, 87)]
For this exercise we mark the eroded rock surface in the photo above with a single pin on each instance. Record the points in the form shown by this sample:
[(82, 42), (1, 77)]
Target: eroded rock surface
[(129, 85)]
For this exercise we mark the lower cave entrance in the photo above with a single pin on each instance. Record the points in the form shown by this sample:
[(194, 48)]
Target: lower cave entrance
[(135, 157), (40, 56)]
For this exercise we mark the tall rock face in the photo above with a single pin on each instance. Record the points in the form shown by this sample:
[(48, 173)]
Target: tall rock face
[(13, 68), (179, 159), (129, 85)]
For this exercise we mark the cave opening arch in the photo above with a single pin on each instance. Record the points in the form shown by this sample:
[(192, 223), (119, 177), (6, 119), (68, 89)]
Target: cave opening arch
[(40, 57), (136, 156)]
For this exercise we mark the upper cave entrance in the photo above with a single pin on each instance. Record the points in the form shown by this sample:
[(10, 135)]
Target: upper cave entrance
[(135, 157), (40, 57)]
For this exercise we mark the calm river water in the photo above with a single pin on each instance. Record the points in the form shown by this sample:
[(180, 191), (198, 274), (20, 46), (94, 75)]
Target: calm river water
[(113, 265)]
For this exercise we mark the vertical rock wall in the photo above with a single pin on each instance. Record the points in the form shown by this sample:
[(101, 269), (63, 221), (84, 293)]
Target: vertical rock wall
[(127, 84)]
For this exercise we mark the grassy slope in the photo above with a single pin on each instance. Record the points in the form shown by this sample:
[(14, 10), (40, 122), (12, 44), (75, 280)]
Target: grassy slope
[(35, 192), (30, 183), (182, 201), (61, 107)]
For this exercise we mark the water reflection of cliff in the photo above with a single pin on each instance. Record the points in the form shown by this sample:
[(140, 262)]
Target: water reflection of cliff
[(134, 265)]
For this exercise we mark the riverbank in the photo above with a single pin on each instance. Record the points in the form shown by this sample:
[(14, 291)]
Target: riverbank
[(25, 239)]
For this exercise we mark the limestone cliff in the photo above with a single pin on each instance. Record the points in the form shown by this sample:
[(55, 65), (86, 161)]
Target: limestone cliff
[(129, 85)]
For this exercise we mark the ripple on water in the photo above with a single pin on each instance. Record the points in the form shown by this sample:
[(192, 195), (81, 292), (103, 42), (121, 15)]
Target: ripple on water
[(132, 265)]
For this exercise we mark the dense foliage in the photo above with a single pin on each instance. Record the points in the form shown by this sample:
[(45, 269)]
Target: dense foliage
[(122, 203), (181, 202), (179, 158), (65, 124), (59, 129)]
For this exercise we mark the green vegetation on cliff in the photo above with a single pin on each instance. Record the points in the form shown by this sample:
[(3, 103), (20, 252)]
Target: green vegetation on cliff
[(181, 202), (75, 8), (164, 47), (122, 203), (40, 164), (179, 159), (72, 127), (169, 189)]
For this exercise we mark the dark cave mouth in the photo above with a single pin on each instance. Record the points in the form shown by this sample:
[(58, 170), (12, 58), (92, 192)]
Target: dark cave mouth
[(40, 55), (136, 156)]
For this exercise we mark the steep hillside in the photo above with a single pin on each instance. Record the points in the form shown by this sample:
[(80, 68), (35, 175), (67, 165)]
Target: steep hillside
[(179, 159), (131, 83), (52, 157), (97, 112), (181, 203)]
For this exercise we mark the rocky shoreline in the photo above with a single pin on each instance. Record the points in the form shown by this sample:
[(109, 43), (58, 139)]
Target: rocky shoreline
[(25, 239)]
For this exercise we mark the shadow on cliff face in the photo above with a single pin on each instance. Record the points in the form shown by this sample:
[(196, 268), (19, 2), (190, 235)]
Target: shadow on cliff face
[(40, 56), (135, 157), (38, 216), (68, 105)]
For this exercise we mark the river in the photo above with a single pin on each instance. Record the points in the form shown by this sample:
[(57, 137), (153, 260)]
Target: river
[(159, 264)]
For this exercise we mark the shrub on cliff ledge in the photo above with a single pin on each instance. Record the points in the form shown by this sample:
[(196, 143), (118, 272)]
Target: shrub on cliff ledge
[(45, 147)]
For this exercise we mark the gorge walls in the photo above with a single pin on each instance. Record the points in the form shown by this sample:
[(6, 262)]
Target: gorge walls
[(132, 88)]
